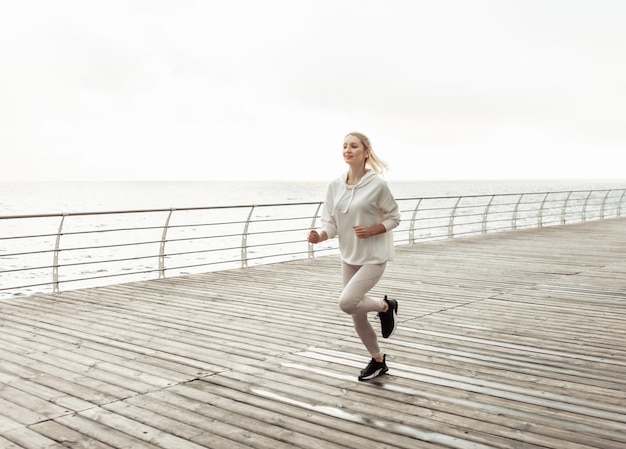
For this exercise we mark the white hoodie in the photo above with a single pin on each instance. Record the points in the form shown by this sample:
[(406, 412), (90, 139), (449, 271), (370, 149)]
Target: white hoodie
[(368, 203)]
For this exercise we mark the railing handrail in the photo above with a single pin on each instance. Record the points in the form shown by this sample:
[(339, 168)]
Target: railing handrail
[(424, 218)]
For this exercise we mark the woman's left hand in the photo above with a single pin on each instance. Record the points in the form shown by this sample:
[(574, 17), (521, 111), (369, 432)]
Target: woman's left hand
[(362, 232)]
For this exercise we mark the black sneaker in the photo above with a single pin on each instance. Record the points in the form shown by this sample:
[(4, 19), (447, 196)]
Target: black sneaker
[(389, 319), (374, 369)]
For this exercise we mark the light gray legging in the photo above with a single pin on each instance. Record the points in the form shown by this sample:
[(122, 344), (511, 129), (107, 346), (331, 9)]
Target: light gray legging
[(357, 281)]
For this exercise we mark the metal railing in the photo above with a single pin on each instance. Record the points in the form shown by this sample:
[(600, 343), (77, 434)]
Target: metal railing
[(42, 253)]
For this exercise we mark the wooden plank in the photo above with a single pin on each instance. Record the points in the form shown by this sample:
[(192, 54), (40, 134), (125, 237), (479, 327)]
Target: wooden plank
[(67, 437), (25, 438), (6, 444), (93, 430)]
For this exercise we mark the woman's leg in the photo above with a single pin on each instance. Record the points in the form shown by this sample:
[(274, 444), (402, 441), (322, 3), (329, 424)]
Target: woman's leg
[(357, 281)]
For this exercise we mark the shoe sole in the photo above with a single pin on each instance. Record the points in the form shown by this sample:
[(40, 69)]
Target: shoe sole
[(376, 373)]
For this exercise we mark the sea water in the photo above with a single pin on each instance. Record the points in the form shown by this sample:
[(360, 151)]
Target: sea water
[(17, 198)]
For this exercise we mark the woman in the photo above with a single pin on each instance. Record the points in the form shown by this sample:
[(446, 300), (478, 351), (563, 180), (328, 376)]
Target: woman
[(361, 211)]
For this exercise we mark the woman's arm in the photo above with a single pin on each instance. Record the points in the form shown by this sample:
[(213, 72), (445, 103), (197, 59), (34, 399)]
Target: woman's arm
[(363, 232)]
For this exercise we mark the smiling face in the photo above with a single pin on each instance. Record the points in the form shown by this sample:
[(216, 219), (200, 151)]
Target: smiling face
[(354, 152)]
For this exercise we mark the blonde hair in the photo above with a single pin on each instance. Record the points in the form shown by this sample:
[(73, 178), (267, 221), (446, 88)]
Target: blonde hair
[(373, 162)]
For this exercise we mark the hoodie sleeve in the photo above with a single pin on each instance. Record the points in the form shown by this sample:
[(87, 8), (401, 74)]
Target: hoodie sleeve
[(329, 224), (389, 208)]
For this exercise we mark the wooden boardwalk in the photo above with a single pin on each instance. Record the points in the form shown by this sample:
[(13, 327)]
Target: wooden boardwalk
[(510, 340)]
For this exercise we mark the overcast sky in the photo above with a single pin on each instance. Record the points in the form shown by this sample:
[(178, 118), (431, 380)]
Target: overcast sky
[(248, 89)]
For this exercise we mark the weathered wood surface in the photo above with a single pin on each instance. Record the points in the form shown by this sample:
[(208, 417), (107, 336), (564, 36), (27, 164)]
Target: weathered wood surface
[(511, 340)]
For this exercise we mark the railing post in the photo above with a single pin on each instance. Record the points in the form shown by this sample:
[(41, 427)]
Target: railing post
[(486, 214), (313, 223), (55, 258), (619, 205), (603, 204), (162, 246), (413, 218), (514, 219), (244, 240), (451, 220), (540, 213), (585, 206), (564, 210)]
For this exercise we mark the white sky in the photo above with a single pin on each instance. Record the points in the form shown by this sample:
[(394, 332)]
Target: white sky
[(248, 89)]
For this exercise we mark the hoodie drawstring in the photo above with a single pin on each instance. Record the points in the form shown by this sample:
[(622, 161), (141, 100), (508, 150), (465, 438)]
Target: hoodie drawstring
[(350, 200)]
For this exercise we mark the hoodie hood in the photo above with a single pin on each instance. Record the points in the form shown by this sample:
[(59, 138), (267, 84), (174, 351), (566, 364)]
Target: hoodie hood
[(365, 180)]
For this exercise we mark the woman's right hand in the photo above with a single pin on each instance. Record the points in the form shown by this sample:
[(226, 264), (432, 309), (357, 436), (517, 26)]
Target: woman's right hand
[(314, 237)]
